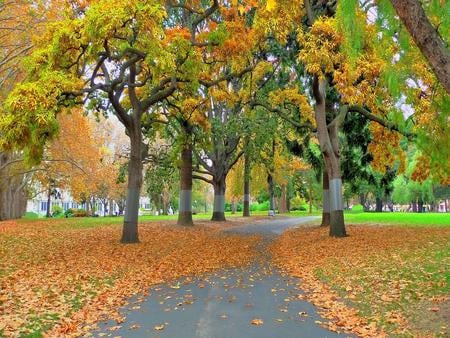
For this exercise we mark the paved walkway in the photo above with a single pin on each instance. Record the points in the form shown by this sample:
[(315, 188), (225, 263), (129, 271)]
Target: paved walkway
[(223, 305)]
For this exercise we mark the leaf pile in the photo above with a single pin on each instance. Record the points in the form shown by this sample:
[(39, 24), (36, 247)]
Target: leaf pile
[(371, 282), (65, 278)]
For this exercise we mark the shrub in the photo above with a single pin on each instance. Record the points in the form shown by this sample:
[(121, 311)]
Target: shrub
[(57, 211), (68, 213), (358, 208), (297, 203), (75, 213), (227, 206), (264, 206)]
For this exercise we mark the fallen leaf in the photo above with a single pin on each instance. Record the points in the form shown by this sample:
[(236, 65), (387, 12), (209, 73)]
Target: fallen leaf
[(159, 327), (257, 321)]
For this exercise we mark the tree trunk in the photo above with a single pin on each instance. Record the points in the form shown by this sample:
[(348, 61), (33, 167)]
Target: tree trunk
[(426, 38), (111, 207), (283, 199), (49, 200), (325, 199), (246, 211), (420, 205), (378, 204), (310, 195), (219, 199), (233, 206), (185, 201), (130, 224), (105, 207), (165, 202), (414, 206), (271, 193), (329, 145)]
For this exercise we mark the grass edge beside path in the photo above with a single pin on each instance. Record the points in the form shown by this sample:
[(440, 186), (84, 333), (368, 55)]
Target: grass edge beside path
[(63, 277), (344, 276)]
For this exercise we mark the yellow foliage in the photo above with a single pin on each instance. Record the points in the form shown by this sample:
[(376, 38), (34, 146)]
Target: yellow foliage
[(281, 97), (320, 47)]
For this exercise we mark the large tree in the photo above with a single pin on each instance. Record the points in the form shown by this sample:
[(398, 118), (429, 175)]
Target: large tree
[(116, 57)]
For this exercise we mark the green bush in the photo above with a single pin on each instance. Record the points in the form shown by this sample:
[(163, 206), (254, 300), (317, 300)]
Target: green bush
[(297, 203), (68, 213), (57, 211), (264, 206), (227, 207), (358, 208)]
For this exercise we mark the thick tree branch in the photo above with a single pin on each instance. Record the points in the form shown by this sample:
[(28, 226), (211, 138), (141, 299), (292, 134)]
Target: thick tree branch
[(426, 37), (198, 177), (387, 124)]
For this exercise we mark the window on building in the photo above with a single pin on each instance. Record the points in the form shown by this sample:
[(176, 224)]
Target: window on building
[(43, 206), (65, 205)]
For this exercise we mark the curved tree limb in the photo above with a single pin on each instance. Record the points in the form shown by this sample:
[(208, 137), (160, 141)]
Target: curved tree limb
[(426, 37)]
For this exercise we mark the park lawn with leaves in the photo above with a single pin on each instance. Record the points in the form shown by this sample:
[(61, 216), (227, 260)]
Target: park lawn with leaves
[(379, 280), (59, 279), (89, 222)]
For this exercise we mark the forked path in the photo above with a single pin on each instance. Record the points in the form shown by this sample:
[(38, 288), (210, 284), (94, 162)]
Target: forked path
[(256, 301)]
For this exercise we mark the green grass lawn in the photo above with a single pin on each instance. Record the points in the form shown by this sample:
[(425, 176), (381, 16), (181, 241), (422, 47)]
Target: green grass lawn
[(351, 217), (399, 218)]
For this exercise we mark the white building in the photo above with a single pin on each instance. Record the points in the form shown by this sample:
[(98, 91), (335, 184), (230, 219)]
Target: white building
[(63, 199)]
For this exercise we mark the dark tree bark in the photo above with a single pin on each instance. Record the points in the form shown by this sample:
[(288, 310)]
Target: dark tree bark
[(283, 200), (49, 200), (378, 204), (325, 199), (271, 192), (310, 195), (420, 205), (246, 211), (165, 203), (88, 206), (105, 207), (414, 206), (426, 38), (185, 204), (111, 208), (13, 199), (130, 225)]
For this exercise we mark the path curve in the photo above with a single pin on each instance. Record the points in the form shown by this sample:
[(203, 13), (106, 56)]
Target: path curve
[(223, 304), (275, 226)]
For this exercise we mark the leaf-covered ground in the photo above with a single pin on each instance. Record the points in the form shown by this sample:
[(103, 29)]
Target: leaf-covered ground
[(380, 280), (57, 279)]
